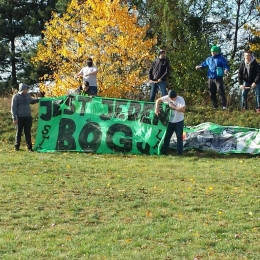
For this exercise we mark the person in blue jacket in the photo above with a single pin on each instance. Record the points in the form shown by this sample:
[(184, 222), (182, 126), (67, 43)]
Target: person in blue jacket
[(217, 67)]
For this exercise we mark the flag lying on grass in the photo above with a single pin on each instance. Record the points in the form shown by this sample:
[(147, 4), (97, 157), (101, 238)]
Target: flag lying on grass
[(99, 125), (222, 139)]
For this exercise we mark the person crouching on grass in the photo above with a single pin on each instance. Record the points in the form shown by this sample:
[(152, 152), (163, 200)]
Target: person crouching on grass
[(83, 90), (176, 122)]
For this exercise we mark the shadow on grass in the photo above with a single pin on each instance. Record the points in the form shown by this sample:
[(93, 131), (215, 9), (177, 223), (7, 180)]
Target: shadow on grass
[(212, 154)]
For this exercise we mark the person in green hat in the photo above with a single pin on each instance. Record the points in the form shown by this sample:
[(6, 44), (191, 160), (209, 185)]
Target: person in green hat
[(217, 66)]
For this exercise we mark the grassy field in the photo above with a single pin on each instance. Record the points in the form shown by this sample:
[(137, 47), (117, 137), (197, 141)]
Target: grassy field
[(88, 206)]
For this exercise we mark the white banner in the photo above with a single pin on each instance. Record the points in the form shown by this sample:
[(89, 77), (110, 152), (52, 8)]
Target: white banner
[(222, 139)]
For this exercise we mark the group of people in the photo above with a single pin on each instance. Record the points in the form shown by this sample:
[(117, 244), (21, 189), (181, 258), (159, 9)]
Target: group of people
[(248, 77), (21, 101)]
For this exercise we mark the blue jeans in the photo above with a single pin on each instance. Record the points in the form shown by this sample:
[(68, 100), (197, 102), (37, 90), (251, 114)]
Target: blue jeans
[(178, 129), (92, 90), (257, 96), (154, 87), (244, 95)]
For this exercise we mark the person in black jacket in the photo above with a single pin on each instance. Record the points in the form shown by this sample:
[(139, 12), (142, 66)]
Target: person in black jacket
[(158, 74), (249, 77)]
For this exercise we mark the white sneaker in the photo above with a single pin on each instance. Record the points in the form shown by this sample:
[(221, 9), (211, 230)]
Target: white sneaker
[(224, 108)]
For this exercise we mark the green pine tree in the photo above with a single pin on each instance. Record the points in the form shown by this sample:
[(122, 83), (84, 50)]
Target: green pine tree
[(22, 23)]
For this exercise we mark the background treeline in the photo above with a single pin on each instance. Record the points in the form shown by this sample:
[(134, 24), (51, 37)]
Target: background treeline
[(186, 29), (22, 23)]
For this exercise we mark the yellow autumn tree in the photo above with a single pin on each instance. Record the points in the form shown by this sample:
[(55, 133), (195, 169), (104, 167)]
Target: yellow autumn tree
[(107, 32)]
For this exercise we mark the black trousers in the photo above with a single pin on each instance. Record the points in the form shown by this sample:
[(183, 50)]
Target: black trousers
[(24, 123), (216, 86), (178, 129)]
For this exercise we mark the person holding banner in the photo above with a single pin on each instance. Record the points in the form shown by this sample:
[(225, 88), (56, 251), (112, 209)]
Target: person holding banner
[(21, 115), (83, 90), (89, 73), (176, 122), (249, 77), (217, 67), (158, 74)]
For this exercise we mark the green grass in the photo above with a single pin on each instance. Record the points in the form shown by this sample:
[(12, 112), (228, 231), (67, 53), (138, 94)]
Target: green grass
[(88, 206)]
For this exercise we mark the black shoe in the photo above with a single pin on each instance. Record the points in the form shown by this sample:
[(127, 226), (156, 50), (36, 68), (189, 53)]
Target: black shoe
[(30, 149), (16, 148)]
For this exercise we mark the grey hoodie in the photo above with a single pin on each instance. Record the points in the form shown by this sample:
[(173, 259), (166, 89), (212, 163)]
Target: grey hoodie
[(20, 106)]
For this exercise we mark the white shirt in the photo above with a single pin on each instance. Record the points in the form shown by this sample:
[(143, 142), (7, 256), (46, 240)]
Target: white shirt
[(176, 116), (92, 79)]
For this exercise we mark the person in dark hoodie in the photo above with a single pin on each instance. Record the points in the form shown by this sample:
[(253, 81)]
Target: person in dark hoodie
[(21, 115), (158, 74), (217, 67), (249, 77)]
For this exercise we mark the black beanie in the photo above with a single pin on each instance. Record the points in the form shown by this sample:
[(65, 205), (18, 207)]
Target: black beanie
[(172, 93)]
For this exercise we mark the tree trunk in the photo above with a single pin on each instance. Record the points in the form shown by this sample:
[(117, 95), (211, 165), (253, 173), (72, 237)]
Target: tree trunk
[(233, 53), (12, 53)]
